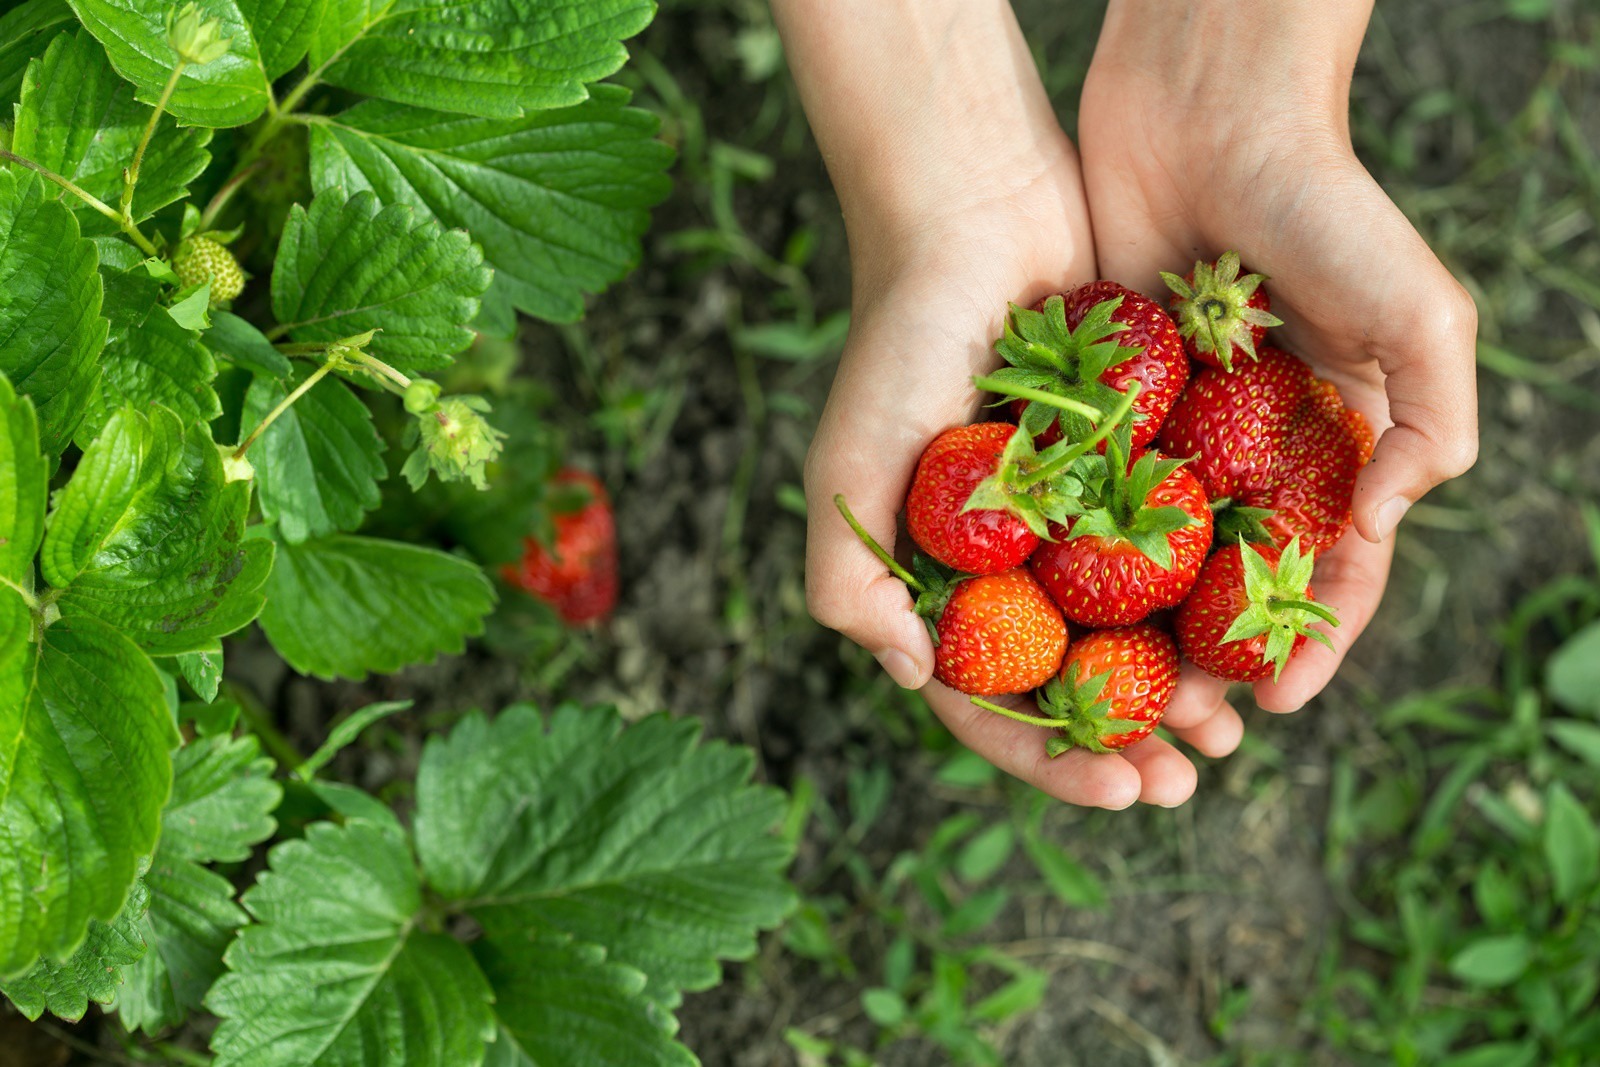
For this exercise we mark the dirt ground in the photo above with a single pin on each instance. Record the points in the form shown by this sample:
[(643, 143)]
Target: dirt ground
[(1224, 895)]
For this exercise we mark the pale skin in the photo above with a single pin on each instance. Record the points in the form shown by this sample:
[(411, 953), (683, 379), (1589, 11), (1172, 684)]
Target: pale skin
[(961, 193)]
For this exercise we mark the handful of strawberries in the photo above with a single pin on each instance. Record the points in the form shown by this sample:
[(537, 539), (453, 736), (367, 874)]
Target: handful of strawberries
[(1128, 487)]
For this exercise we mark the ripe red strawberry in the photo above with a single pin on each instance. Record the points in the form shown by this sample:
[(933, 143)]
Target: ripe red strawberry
[(577, 574), (1271, 437), (1220, 315), (1251, 610), (992, 633), (982, 497), (1136, 549), (1113, 689), (1088, 345)]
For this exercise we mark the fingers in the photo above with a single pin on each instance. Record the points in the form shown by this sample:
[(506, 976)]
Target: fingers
[(1166, 777), (1077, 777), (1427, 350), (1201, 716), (1349, 578)]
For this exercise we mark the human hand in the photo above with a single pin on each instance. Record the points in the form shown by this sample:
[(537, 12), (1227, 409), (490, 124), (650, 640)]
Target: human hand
[(1214, 125), (968, 199)]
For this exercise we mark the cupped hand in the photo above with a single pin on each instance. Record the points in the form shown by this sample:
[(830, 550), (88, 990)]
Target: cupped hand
[(934, 272), (1221, 126)]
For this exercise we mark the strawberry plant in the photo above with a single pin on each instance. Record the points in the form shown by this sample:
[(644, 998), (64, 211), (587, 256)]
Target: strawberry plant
[(241, 243)]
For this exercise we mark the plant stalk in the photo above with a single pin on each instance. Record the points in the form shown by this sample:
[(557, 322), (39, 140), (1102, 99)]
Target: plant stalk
[(1023, 392), (877, 549), (87, 197), (287, 403), (130, 177), (1106, 426), (1031, 720)]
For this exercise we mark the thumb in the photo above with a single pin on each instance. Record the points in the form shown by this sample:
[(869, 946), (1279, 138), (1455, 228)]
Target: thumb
[(848, 588)]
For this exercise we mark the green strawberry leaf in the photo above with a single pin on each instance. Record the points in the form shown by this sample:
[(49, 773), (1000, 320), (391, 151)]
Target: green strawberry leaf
[(341, 606), (494, 58), (563, 828), (559, 1002), (349, 266), (202, 670), (222, 800), (93, 972), (558, 199), (337, 956), (149, 537), (26, 30), (318, 465), (241, 344), (24, 480), (80, 120), (50, 297), (84, 736), (264, 36), (148, 359)]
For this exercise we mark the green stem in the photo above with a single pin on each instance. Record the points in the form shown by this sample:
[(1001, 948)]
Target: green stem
[(373, 363), (1022, 392), (130, 177), (1031, 720), (1274, 604), (27, 597), (877, 549), (288, 402), (88, 198), (261, 725), (234, 183), (1103, 430)]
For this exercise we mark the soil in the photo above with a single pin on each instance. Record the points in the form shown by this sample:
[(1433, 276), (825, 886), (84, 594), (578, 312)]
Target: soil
[(1224, 895)]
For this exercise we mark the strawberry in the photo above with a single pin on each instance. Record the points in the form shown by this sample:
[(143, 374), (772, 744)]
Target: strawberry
[(1220, 315), (1138, 546), (201, 259), (992, 633), (1088, 344), (577, 574), (982, 497), (1275, 448), (1251, 610)]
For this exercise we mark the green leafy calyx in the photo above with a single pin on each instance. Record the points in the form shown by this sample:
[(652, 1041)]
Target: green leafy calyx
[(1279, 606), (197, 39), (1046, 355), (1116, 503), (453, 440), (1214, 309), (1084, 711)]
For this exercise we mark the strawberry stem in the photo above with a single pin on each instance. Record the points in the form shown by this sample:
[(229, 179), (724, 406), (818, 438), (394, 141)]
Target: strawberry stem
[(877, 549), (1321, 612), (1031, 720), (1106, 426), (288, 402), (1022, 392)]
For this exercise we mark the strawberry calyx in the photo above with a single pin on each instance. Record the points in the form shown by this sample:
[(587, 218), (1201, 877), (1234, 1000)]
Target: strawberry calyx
[(1213, 308), (1277, 604), (1116, 508), (1048, 357), (1044, 487), (1232, 521), (1084, 712)]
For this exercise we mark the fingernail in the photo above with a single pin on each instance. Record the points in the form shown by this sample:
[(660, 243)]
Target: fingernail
[(899, 667), (1390, 512)]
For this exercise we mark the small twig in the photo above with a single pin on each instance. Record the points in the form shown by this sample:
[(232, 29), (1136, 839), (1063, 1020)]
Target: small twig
[(87, 197), (287, 403), (130, 177)]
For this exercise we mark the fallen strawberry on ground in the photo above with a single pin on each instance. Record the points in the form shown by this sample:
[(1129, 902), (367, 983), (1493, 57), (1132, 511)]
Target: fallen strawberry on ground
[(993, 633), (577, 572)]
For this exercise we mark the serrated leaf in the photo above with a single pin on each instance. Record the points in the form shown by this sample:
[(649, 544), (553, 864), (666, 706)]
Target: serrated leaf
[(229, 91), (80, 120), (560, 1004), (570, 827), (558, 199), (50, 296), (243, 345), (24, 482), (26, 30), (318, 465), (349, 266), (93, 972), (148, 359), (149, 536), (84, 771), (339, 607), (222, 800), (493, 58), (335, 959)]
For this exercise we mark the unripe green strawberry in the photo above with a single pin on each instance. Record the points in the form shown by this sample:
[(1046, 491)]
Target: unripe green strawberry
[(201, 259)]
